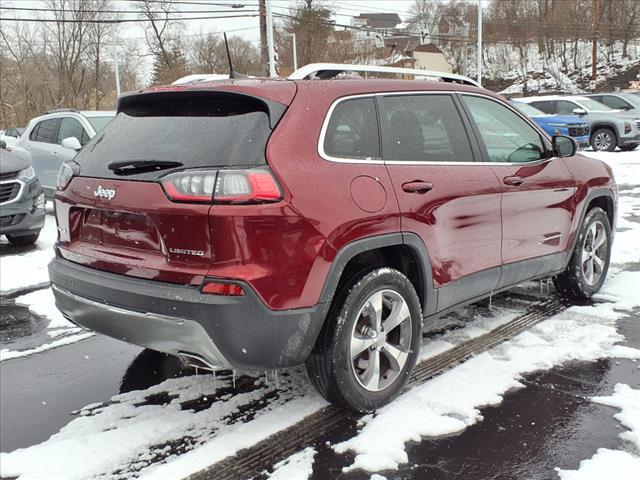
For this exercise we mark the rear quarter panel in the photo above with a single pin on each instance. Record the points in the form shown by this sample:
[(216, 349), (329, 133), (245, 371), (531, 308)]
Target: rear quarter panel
[(590, 175)]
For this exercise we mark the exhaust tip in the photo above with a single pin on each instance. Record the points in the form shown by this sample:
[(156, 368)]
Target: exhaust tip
[(196, 361)]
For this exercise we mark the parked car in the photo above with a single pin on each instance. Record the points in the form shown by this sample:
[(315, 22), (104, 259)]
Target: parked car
[(21, 200), (620, 101), (569, 125), (10, 137), (609, 127), (260, 224), (43, 138)]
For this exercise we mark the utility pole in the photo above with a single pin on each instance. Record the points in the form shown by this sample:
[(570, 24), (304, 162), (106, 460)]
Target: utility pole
[(479, 42), (594, 43), (465, 48), (295, 52), (117, 69), (264, 49), (272, 60)]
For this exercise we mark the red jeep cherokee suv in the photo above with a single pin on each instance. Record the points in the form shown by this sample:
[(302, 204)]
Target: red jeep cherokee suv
[(259, 224)]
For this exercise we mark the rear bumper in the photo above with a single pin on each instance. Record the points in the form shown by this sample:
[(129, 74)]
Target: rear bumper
[(225, 332)]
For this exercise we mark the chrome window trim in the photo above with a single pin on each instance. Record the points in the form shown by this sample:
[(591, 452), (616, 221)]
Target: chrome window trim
[(376, 161), (20, 191), (325, 126)]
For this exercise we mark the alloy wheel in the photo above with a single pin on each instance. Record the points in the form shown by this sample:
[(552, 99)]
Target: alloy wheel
[(594, 253), (380, 340), (602, 141)]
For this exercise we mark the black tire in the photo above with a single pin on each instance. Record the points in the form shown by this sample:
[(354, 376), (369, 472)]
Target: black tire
[(23, 240), (573, 282), (330, 366), (629, 148), (604, 140)]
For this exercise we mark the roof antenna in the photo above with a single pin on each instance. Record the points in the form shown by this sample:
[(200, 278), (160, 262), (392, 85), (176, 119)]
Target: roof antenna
[(232, 72)]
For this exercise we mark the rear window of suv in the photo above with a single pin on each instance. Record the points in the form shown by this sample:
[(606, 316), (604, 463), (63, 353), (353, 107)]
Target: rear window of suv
[(207, 129)]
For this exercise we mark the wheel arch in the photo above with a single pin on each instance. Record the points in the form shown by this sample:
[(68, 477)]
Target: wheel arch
[(608, 125), (603, 198), (405, 252)]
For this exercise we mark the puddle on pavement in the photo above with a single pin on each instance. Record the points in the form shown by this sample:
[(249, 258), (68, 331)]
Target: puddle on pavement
[(19, 328)]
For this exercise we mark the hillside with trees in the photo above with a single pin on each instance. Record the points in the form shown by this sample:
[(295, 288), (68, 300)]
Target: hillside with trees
[(64, 56)]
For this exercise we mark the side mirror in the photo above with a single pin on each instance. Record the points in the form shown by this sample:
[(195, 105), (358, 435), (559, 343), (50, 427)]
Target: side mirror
[(579, 111), (3, 144), (564, 146), (72, 143)]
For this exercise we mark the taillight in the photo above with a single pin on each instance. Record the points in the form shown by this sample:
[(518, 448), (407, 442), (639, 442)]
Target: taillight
[(67, 171), (236, 186)]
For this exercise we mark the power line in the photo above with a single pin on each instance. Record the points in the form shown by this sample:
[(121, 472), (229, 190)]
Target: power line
[(126, 12), (186, 2), (121, 20)]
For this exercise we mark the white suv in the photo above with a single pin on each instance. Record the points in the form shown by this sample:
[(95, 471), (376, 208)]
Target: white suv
[(42, 141)]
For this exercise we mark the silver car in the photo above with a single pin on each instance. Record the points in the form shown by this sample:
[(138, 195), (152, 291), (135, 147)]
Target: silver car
[(609, 127), (55, 137), (628, 102)]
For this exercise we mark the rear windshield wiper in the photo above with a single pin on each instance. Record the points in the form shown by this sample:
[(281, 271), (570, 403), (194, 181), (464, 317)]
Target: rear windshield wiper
[(131, 167)]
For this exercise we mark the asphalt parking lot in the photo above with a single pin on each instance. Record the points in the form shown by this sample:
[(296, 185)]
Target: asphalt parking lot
[(504, 403)]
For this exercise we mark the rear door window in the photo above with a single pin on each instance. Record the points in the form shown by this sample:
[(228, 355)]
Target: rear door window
[(197, 129), (547, 107), (352, 131), (98, 123), (46, 131), (70, 127), (506, 136), (614, 102), (566, 108), (425, 128)]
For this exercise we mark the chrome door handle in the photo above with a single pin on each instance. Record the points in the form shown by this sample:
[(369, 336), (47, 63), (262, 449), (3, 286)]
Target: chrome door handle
[(515, 180)]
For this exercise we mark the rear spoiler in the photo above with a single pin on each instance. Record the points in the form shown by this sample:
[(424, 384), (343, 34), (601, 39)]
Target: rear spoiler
[(275, 110)]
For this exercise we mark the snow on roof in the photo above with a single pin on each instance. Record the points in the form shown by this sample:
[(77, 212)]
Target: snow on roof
[(200, 77)]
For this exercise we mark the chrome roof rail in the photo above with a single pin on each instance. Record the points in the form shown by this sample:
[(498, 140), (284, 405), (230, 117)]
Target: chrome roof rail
[(330, 70)]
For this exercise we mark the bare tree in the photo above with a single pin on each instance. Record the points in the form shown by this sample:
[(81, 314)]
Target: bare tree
[(67, 45), (312, 24), (207, 54), (425, 15), (100, 34), (163, 39)]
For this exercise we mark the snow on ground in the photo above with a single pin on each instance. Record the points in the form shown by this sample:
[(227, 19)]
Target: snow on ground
[(298, 466), (144, 431), (618, 464), (133, 433), (42, 302), (59, 330), (450, 403), (626, 169), (6, 354), (29, 269)]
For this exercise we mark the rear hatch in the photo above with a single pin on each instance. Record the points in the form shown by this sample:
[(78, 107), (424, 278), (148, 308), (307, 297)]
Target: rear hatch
[(139, 201)]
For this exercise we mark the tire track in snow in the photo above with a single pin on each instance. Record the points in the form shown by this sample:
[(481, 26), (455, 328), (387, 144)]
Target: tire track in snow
[(255, 460)]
